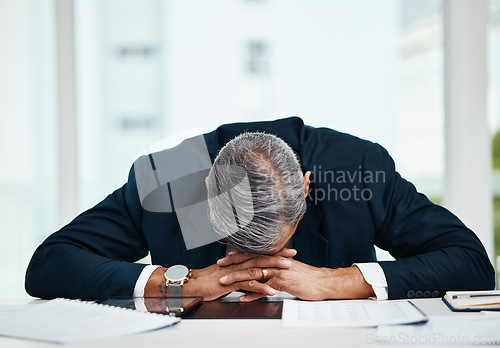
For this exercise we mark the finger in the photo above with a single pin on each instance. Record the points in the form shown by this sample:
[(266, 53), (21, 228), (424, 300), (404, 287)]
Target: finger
[(286, 252), (279, 284), (235, 257), (252, 273), (251, 296), (254, 286), (265, 261)]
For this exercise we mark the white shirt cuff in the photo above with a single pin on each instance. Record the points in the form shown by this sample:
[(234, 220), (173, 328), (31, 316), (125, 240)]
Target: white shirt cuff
[(141, 282), (374, 275), (140, 305)]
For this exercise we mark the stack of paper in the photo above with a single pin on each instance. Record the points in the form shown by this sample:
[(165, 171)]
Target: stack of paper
[(65, 321)]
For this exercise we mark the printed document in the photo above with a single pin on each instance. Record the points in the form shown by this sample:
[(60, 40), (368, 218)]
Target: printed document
[(349, 313), (66, 321)]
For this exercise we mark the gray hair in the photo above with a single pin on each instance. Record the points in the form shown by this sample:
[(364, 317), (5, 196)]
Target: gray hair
[(255, 190)]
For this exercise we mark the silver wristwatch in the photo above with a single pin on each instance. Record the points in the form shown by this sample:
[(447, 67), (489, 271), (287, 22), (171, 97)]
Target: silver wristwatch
[(175, 277)]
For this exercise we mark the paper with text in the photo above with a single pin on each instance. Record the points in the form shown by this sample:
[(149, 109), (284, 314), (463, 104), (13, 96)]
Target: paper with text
[(66, 321), (349, 313)]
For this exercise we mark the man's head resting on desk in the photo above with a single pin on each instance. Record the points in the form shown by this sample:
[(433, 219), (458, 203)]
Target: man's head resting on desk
[(257, 192)]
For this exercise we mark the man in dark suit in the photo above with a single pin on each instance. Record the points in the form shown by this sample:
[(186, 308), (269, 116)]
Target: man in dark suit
[(355, 199)]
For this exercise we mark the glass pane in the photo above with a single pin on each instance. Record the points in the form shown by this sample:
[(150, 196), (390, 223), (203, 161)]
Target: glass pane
[(146, 72), (419, 148), (28, 197), (494, 115)]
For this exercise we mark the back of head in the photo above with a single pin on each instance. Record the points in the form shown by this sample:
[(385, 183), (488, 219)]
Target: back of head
[(255, 190)]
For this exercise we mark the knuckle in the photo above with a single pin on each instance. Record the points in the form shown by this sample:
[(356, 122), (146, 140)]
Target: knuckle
[(229, 258), (252, 272), (277, 285)]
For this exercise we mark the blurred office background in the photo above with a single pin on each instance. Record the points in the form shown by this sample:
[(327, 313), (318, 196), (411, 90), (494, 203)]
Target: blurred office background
[(144, 70)]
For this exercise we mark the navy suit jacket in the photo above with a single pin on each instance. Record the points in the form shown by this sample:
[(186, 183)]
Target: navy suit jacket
[(94, 255)]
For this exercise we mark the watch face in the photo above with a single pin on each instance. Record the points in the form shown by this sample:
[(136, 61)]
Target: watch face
[(176, 273)]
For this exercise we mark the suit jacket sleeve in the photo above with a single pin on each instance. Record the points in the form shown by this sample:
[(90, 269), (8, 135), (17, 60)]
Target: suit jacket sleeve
[(92, 257), (434, 250)]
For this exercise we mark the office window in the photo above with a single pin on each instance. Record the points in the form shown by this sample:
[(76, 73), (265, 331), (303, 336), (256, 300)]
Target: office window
[(494, 115), (257, 58), (420, 107), (120, 89), (28, 149), (378, 75)]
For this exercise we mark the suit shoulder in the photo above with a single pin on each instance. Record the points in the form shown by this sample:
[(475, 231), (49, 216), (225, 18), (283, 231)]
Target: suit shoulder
[(334, 148)]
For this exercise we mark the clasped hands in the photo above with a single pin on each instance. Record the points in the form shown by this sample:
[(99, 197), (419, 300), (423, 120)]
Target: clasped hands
[(240, 271)]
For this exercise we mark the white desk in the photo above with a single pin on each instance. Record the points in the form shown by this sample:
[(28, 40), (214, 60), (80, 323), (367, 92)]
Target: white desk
[(238, 333)]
